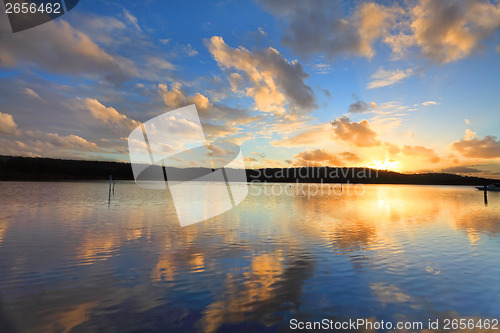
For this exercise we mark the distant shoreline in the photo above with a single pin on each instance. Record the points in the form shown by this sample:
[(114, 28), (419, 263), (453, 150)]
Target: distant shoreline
[(15, 168)]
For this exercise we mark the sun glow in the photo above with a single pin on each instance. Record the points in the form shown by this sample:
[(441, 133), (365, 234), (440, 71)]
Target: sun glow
[(390, 165)]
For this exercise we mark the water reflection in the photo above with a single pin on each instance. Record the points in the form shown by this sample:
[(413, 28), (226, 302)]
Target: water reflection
[(270, 285), (389, 293), (70, 262)]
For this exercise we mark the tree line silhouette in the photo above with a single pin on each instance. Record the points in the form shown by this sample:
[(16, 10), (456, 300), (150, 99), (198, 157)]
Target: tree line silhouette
[(15, 168)]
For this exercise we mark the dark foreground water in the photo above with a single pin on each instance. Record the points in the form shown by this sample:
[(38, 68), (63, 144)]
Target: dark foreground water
[(71, 263)]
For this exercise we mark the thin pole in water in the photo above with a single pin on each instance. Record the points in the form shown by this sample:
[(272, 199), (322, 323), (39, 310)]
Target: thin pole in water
[(485, 195), (109, 193)]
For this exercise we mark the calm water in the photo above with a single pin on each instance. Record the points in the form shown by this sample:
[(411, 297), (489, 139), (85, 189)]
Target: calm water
[(69, 262)]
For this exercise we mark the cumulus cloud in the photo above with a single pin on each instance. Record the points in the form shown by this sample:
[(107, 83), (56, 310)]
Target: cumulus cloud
[(429, 103), (319, 27), (449, 30), (108, 114), (358, 134), (16, 148), (58, 111), (474, 147), (274, 83), (445, 30), (421, 151), (218, 131), (69, 141), (7, 124), (384, 78), (236, 82), (399, 44), (37, 143), (59, 48), (218, 121), (176, 97), (317, 157), (217, 150)]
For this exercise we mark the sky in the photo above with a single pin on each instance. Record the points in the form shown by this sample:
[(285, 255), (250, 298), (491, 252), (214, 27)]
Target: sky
[(410, 86)]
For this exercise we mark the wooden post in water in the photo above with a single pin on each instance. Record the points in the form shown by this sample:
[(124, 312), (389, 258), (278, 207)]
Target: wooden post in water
[(109, 193), (485, 195)]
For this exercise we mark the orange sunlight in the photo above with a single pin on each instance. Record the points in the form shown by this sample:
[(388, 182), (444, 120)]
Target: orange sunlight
[(390, 165)]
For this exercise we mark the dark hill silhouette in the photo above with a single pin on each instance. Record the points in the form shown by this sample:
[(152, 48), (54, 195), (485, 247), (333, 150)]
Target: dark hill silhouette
[(14, 168)]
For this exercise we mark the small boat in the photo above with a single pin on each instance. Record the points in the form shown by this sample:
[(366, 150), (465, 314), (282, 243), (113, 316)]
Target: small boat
[(492, 187)]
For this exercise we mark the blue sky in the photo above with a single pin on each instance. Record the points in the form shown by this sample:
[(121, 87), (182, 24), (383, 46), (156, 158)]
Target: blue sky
[(408, 86)]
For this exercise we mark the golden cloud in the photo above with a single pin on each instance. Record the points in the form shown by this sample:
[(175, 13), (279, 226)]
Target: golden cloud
[(359, 134), (108, 114), (317, 157), (37, 144), (372, 21), (274, 83), (421, 151), (474, 147), (445, 30), (351, 157), (450, 30), (249, 159), (175, 97), (7, 124)]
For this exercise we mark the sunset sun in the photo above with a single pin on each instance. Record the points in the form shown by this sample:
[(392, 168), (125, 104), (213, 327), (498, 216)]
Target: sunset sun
[(388, 164)]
